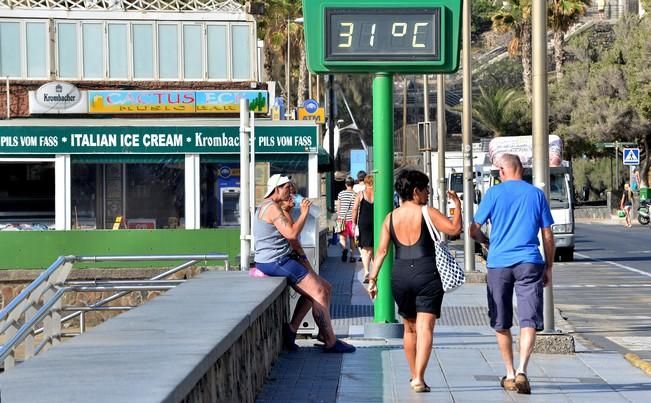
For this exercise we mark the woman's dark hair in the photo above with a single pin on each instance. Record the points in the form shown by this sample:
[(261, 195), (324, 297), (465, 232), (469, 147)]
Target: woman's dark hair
[(407, 181)]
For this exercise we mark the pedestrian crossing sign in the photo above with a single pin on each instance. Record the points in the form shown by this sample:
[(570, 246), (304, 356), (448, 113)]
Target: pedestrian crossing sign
[(631, 156)]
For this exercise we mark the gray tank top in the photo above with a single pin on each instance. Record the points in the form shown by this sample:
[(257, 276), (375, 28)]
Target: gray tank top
[(270, 244)]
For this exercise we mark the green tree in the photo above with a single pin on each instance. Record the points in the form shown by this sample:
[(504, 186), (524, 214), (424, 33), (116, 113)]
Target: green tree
[(495, 109), (273, 27), (607, 96), (515, 17), (562, 15)]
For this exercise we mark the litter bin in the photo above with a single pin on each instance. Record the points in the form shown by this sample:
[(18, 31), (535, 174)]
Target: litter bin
[(645, 193)]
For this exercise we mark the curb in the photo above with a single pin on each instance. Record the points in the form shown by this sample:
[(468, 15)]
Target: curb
[(638, 362)]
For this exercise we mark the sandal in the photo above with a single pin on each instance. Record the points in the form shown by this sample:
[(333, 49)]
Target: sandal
[(340, 348), (420, 387), (522, 384), (508, 384)]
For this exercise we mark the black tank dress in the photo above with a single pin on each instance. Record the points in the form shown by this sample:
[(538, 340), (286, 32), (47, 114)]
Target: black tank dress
[(415, 282), (365, 223)]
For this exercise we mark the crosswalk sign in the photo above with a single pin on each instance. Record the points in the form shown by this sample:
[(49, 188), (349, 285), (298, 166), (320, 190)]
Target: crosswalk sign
[(631, 156)]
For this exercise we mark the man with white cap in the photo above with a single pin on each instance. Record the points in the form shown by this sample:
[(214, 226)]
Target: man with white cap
[(274, 256)]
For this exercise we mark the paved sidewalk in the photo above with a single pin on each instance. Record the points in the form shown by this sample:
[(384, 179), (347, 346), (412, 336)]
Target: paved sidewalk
[(465, 365)]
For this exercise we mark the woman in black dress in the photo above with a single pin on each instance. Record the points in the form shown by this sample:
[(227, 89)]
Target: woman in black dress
[(363, 219), (415, 281)]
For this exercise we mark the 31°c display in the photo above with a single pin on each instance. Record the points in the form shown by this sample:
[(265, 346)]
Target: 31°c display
[(383, 34)]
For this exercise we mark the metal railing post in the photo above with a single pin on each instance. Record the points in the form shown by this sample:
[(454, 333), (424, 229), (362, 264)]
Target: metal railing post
[(30, 348), (10, 360)]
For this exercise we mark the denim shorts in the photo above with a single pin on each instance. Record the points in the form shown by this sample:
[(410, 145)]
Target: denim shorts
[(287, 267), (526, 279)]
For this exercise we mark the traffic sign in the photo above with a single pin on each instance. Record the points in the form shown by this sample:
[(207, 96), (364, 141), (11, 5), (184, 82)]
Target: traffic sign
[(631, 156), (388, 36)]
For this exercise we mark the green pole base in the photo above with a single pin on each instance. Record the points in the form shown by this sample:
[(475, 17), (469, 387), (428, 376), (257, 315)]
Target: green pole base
[(384, 330)]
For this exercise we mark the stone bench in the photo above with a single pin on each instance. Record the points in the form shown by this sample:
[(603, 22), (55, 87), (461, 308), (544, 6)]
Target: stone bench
[(213, 338)]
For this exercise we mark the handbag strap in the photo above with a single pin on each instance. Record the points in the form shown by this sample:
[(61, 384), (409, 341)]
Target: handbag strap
[(430, 227)]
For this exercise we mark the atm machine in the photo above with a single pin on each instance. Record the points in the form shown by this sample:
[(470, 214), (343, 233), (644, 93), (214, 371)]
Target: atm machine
[(229, 206)]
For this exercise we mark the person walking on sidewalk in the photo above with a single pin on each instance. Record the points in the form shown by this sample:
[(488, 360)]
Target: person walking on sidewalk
[(361, 184), (345, 200), (517, 211), (274, 256), (626, 204), (363, 221), (415, 282)]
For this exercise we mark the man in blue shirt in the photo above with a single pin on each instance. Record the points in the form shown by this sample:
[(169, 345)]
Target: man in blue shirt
[(517, 211)]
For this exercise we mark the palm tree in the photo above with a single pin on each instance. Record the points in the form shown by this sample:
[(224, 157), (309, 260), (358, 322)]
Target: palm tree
[(494, 107), (273, 30), (562, 15), (515, 17)]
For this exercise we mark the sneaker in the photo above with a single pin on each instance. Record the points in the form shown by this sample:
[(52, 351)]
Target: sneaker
[(340, 347), (359, 259), (352, 259), (344, 255), (522, 384)]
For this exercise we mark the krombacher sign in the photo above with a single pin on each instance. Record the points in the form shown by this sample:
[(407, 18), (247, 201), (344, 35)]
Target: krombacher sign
[(152, 139)]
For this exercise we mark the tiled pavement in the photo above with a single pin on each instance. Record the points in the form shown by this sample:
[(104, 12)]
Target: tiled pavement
[(465, 365)]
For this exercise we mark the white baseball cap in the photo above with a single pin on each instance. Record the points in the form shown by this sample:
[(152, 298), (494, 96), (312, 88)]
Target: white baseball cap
[(275, 181)]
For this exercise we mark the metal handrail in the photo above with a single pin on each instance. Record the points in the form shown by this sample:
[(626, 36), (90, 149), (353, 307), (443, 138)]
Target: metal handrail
[(30, 288), (123, 293), (123, 286)]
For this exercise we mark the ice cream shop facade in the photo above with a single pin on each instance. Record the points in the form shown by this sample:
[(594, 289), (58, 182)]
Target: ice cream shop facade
[(133, 149)]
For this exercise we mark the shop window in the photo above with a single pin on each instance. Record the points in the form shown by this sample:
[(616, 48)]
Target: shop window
[(36, 45), (155, 195), (118, 56), (143, 51), (220, 188), (217, 52), (67, 50), (240, 45), (168, 51), (192, 52), (84, 192), (145, 196), (10, 49), (26, 195), (93, 50)]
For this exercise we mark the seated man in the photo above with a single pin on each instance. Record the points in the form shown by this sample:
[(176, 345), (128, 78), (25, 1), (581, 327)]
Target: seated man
[(274, 256)]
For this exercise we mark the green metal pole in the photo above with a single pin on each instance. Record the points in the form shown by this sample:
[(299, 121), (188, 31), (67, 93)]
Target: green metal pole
[(383, 186)]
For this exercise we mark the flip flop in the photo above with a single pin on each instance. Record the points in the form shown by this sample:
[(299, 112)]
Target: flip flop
[(420, 387)]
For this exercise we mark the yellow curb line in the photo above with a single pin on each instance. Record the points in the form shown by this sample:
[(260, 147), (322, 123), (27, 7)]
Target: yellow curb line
[(638, 362)]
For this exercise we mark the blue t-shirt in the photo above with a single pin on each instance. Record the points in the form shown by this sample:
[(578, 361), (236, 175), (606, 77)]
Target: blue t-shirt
[(517, 211)]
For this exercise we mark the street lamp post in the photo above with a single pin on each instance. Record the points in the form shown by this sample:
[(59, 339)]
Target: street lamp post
[(287, 70)]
